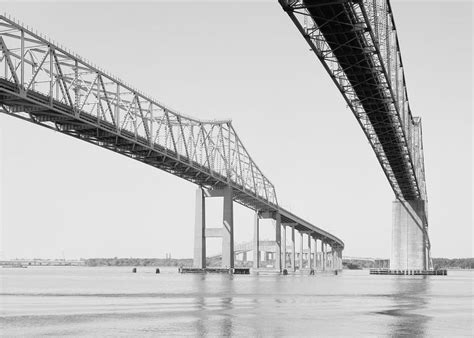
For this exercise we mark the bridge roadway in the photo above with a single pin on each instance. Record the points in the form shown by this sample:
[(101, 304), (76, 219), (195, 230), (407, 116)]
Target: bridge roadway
[(50, 86), (305, 258)]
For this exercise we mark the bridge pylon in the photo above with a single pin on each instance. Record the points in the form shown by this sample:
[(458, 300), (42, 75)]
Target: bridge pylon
[(410, 243), (226, 232), (276, 216)]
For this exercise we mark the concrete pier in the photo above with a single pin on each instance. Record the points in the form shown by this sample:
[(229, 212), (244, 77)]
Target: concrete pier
[(309, 252), (228, 228), (277, 255), (323, 255), (315, 254), (283, 244), (301, 251), (226, 232), (293, 248), (256, 236), (199, 231), (409, 246), (278, 241)]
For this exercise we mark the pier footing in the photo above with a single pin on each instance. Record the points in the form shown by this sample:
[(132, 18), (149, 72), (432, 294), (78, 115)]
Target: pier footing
[(409, 272), (235, 271)]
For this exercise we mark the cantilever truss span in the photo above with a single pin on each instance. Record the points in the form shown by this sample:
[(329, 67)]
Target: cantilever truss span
[(357, 43), (48, 85)]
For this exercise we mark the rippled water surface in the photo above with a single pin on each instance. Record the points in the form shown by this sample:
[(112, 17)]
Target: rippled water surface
[(113, 301)]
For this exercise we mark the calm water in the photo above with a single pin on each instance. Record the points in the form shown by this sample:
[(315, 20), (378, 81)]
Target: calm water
[(113, 301)]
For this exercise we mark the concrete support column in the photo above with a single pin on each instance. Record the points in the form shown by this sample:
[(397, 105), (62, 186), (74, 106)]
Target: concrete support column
[(315, 255), (293, 248), (301, 251), (326, 256), (200, 231), (226, 232), (340, 256), (330, 258), (228, 229), (309, 252), (409, 251), (283, 243), (278, 241), (320, 254), (256, 235), (323, 255), (338, 259)]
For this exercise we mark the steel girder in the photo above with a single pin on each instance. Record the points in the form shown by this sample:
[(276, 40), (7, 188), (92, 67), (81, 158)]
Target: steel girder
[(356, 41), (47, 84), (62, 88)]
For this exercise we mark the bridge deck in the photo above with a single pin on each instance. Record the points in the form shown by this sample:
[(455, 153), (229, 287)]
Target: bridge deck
[(62, 91), (338, 25)]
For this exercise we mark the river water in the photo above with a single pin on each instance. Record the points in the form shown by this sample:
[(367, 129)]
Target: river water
[(111, 301)]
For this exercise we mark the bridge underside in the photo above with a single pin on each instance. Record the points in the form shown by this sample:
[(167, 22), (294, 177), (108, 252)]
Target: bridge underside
[(38, 108), (357, 43), (337, 23), (52, 87)]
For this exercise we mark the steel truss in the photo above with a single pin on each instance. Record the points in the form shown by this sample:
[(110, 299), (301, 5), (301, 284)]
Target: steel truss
[(48, 85), (357, 43)]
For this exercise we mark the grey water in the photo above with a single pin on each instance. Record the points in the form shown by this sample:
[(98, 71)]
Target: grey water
[(112, 301)]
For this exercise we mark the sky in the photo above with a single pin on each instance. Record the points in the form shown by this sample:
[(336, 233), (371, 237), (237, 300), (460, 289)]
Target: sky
[(61, 197)]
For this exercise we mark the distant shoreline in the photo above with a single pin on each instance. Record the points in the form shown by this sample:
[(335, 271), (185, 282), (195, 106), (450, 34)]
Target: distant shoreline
[(438, 263)]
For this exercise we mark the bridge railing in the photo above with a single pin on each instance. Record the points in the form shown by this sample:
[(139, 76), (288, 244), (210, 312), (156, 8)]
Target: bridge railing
[(73, 85)]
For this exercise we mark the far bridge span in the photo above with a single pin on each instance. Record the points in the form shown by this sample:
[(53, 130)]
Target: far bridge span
[(50, 86)]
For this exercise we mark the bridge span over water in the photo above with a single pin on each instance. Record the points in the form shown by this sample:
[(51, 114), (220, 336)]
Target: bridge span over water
[(46, 84), (357, 43)]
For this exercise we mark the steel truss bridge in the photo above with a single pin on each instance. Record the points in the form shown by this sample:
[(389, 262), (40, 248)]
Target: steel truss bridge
[(357, 43), (48, 85)]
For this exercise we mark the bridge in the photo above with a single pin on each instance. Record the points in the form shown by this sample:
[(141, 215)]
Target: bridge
[(355, 40), (297, 259), (50, 86), (357, 43)]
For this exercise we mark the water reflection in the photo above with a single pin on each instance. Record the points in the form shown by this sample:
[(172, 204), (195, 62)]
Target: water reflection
[(410, 298), (200, 286), (214, 304), (39, 302)]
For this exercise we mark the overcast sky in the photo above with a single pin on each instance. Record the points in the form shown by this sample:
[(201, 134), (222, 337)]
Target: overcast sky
[(245, 61)]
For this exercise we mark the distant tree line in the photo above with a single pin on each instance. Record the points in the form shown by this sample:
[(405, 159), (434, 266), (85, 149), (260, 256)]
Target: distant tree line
[(138, 262), (355, 264), (438, 263), (454, 263)]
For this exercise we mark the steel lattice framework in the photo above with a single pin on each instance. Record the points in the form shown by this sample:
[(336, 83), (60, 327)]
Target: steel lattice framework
[(356, 41), (47, 84)]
